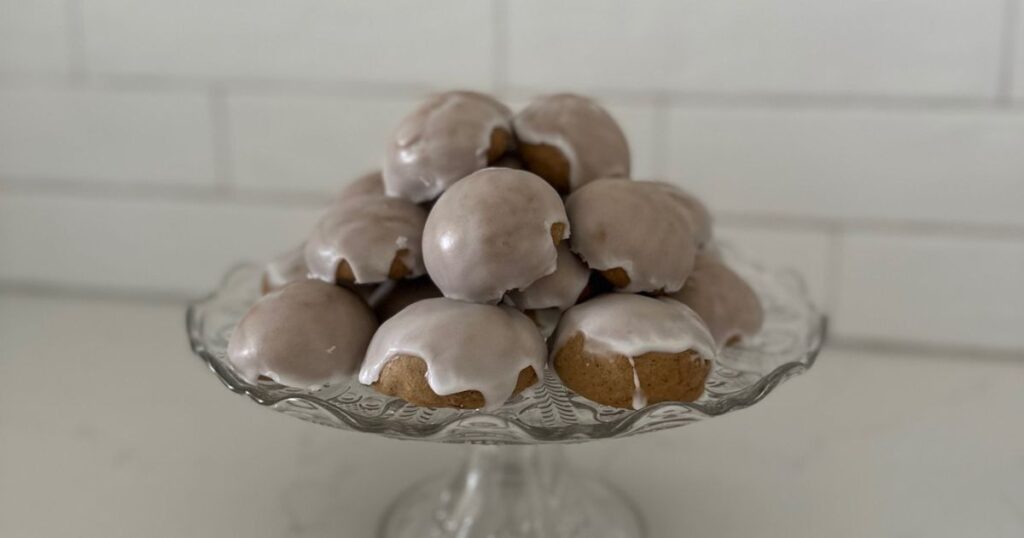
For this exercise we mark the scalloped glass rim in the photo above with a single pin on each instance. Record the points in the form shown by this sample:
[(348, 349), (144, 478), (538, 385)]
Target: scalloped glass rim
[(788, 345)]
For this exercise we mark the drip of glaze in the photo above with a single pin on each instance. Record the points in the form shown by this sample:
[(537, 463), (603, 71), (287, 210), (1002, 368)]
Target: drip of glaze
[(639, 396)]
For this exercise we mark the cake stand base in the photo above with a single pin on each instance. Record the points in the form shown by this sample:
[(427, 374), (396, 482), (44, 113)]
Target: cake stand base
[(512, 492)]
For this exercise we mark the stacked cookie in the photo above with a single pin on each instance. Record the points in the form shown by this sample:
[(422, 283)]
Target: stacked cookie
[(490, 246)]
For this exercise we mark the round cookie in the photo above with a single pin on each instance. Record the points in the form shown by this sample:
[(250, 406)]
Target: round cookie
[(370, 184), (569, 140), (450, 136), (727, 304), (403, 294), (494, 231), (636, 233), (631, 351), (284, 269), (560, 290), (367, 240), (447, 353), (307, 334), (700, 217)]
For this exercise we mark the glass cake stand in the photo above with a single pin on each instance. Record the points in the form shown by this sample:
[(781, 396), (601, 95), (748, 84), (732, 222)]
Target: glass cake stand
[(515, 481)]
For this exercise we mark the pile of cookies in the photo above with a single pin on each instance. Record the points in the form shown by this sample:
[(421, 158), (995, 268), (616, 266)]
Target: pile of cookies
[(490, 246)]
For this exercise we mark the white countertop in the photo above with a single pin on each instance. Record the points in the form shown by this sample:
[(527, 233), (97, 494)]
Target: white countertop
[(109, 427)]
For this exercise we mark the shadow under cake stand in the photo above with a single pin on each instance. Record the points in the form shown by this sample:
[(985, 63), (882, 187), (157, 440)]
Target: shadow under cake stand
[(514, 482)]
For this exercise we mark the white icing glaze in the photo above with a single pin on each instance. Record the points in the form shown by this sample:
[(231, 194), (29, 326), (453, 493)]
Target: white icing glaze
[(442, 141), (370, 184), (639, 396), (491, 233), (367, 232), (466, 346), (700, 217), (726, 303), (636, 225), (306, 335), (561, 289), (631, 325), (288, 267), (583, 131)]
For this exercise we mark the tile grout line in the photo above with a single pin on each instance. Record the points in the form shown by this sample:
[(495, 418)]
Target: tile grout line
[(223, 165), (78, 69), (367, 89), (499, 43), (1007, 53), (885, 346)]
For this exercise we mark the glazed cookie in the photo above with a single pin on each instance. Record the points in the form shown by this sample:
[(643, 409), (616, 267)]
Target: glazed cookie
[(570, 140), (307, 334), (450, 136), (447, 353), (631, 351), (637, 233), (726, 303), (403, 294), (284, 269), (494, 231), (700, 217), (559, 290), (371, 239), (371, 184)]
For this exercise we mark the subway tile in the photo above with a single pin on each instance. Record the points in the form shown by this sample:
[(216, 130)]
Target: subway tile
[(446, 42), (933, 165), (1016, 63), (309, 143), (804, 251), (933, 290), (135, 245), (905, 47), (639, 122), (33, 36), (97, 136)]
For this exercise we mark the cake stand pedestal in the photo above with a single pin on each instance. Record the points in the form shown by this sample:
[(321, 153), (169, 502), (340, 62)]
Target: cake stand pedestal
[(512, 491), (515, 483)]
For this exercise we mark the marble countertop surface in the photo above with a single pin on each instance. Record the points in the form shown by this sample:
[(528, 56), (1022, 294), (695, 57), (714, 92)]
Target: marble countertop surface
[(110, 428)]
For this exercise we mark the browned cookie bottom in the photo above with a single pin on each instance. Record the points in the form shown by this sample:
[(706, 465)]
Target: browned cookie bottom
[(608, 379), (547, 162), (501, 141), (405, 377), (617, 277)]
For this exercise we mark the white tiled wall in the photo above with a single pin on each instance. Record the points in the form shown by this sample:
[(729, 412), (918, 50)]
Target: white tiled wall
[(876, 146)]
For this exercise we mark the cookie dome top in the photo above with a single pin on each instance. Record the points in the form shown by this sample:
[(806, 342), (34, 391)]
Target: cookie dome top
[(448, 137), (631, 325), (367, 240), (635, 231), (726, 303), (285, 268), (369, 184), (466, 346), (589, 141), (494, 231), (306, 335)]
